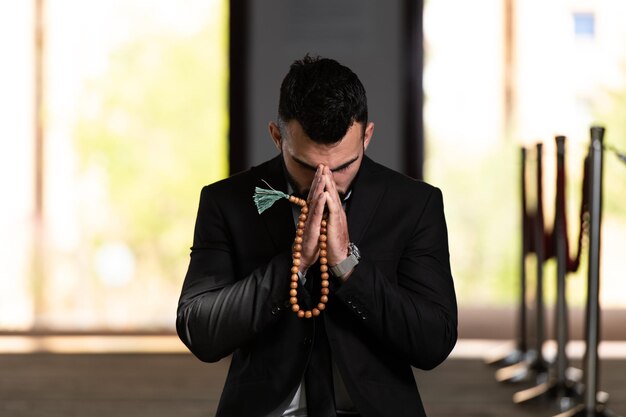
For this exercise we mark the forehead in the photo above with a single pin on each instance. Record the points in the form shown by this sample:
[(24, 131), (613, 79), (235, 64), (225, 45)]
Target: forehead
[(301, 146)]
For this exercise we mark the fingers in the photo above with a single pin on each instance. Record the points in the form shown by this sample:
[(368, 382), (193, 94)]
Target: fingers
[(324, 194), (337, 228), (310, 246), (332, 197), (316, 212), (317, 186)]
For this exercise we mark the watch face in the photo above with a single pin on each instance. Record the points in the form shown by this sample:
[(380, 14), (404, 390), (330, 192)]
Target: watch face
[(354, 251)]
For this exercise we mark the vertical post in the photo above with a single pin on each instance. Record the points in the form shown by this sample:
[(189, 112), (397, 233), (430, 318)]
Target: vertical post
[(509, 66), (591, 407), (522, 343), (561, 264), (539, 363), (560, 234), (532, 362), (413, 68), (520, 352), (238, 86), (39, 148), (593, 292)]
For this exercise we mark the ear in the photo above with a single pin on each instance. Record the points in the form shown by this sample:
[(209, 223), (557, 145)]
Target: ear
[(367, 136), (276, 136)]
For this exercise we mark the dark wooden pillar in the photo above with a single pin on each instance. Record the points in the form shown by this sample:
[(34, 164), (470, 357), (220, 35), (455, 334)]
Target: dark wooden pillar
[(238, 85)]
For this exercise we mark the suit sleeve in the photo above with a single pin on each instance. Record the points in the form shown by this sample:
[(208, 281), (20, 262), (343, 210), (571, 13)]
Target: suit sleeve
[(417, 317), (216, 312)]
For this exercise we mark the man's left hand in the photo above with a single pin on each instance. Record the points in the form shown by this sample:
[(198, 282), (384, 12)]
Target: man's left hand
[(337, 223)]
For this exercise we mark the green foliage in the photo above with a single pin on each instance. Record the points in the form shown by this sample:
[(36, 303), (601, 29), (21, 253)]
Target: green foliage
[(482, 212), (156, 125)]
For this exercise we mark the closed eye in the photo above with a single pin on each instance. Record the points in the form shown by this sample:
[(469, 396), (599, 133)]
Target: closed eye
[(342, 169)]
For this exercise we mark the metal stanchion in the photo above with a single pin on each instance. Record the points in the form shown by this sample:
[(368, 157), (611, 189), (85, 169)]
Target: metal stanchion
[(535, 363), (591, 406), (519, 352), (558, 387)]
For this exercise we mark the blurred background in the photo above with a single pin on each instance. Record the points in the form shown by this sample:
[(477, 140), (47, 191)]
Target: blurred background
[(103, 165), (98, 214), (114, 114)]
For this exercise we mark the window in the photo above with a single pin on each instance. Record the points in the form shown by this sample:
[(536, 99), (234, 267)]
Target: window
[(584, 25)]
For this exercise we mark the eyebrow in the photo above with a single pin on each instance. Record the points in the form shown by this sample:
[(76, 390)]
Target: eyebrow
[(313, 168)]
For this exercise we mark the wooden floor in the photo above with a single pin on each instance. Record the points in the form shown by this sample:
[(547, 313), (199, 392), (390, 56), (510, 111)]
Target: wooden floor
[(178, 385)]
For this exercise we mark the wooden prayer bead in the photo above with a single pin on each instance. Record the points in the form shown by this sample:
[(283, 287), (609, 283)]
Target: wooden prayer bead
[(296, 262)]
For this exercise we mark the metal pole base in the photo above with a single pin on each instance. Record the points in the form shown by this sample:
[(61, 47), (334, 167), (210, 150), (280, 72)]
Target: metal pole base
[(518, 372), (565, 394), (505, 358), (582, 411), (533, 365), (574, 374)]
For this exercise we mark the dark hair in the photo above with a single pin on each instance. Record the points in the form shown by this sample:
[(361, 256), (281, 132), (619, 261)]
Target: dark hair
[(325, 97)]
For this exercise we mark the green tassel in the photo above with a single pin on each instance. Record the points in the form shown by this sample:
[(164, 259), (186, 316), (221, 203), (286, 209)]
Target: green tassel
[(264, 199)]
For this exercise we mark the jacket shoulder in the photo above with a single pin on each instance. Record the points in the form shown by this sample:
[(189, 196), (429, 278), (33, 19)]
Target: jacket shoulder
[(240, 184), (399, 183)]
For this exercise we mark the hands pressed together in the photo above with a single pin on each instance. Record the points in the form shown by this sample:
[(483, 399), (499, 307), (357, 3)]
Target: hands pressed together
[(323, 195)]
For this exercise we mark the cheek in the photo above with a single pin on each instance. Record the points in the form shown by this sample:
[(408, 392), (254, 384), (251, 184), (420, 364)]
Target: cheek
[(303, 177), (306, 178), (343, 180)]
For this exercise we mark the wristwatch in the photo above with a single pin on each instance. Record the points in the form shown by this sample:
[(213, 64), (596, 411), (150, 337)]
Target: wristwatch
[(347, 264)]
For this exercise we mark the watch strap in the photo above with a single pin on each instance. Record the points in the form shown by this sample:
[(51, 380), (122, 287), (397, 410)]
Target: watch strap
[(347, 264)]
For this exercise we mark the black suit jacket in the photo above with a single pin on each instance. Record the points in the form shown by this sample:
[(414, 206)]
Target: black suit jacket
[(397, 309)]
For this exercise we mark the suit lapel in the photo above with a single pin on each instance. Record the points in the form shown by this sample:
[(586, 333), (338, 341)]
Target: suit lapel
[(279, 218), (367, 193)]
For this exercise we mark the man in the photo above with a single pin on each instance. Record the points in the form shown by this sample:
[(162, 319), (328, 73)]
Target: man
[(391, 302)]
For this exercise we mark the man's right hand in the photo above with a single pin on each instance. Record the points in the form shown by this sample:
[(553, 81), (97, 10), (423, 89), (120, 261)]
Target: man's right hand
[(316, 202)]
